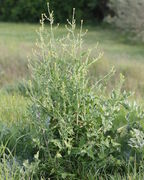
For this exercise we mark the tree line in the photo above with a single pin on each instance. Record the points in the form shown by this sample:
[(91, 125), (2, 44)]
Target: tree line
[(31, 10)]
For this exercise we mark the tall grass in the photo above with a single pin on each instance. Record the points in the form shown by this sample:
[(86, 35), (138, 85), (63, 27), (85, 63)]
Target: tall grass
[(12, 108)]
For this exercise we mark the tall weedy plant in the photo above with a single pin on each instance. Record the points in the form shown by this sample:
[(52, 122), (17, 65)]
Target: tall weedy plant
[(77, 129)]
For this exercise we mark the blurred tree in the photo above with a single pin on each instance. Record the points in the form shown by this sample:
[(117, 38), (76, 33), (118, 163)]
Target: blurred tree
[(21, 10), (128, 15), (98, 8), (89, 10), (30, 10)]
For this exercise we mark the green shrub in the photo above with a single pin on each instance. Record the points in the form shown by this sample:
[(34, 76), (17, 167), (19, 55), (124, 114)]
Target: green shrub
[(78, 129)]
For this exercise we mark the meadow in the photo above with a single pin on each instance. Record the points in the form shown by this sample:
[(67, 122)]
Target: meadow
[(17, 41), (30, 115)]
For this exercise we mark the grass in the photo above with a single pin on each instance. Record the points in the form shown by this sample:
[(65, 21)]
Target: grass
[(12, 108), (17, 41)]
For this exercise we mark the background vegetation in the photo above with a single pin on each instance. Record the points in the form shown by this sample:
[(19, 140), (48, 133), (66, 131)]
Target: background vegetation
[(30, 11), (128, 15), (126, 56), (116, 13)]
